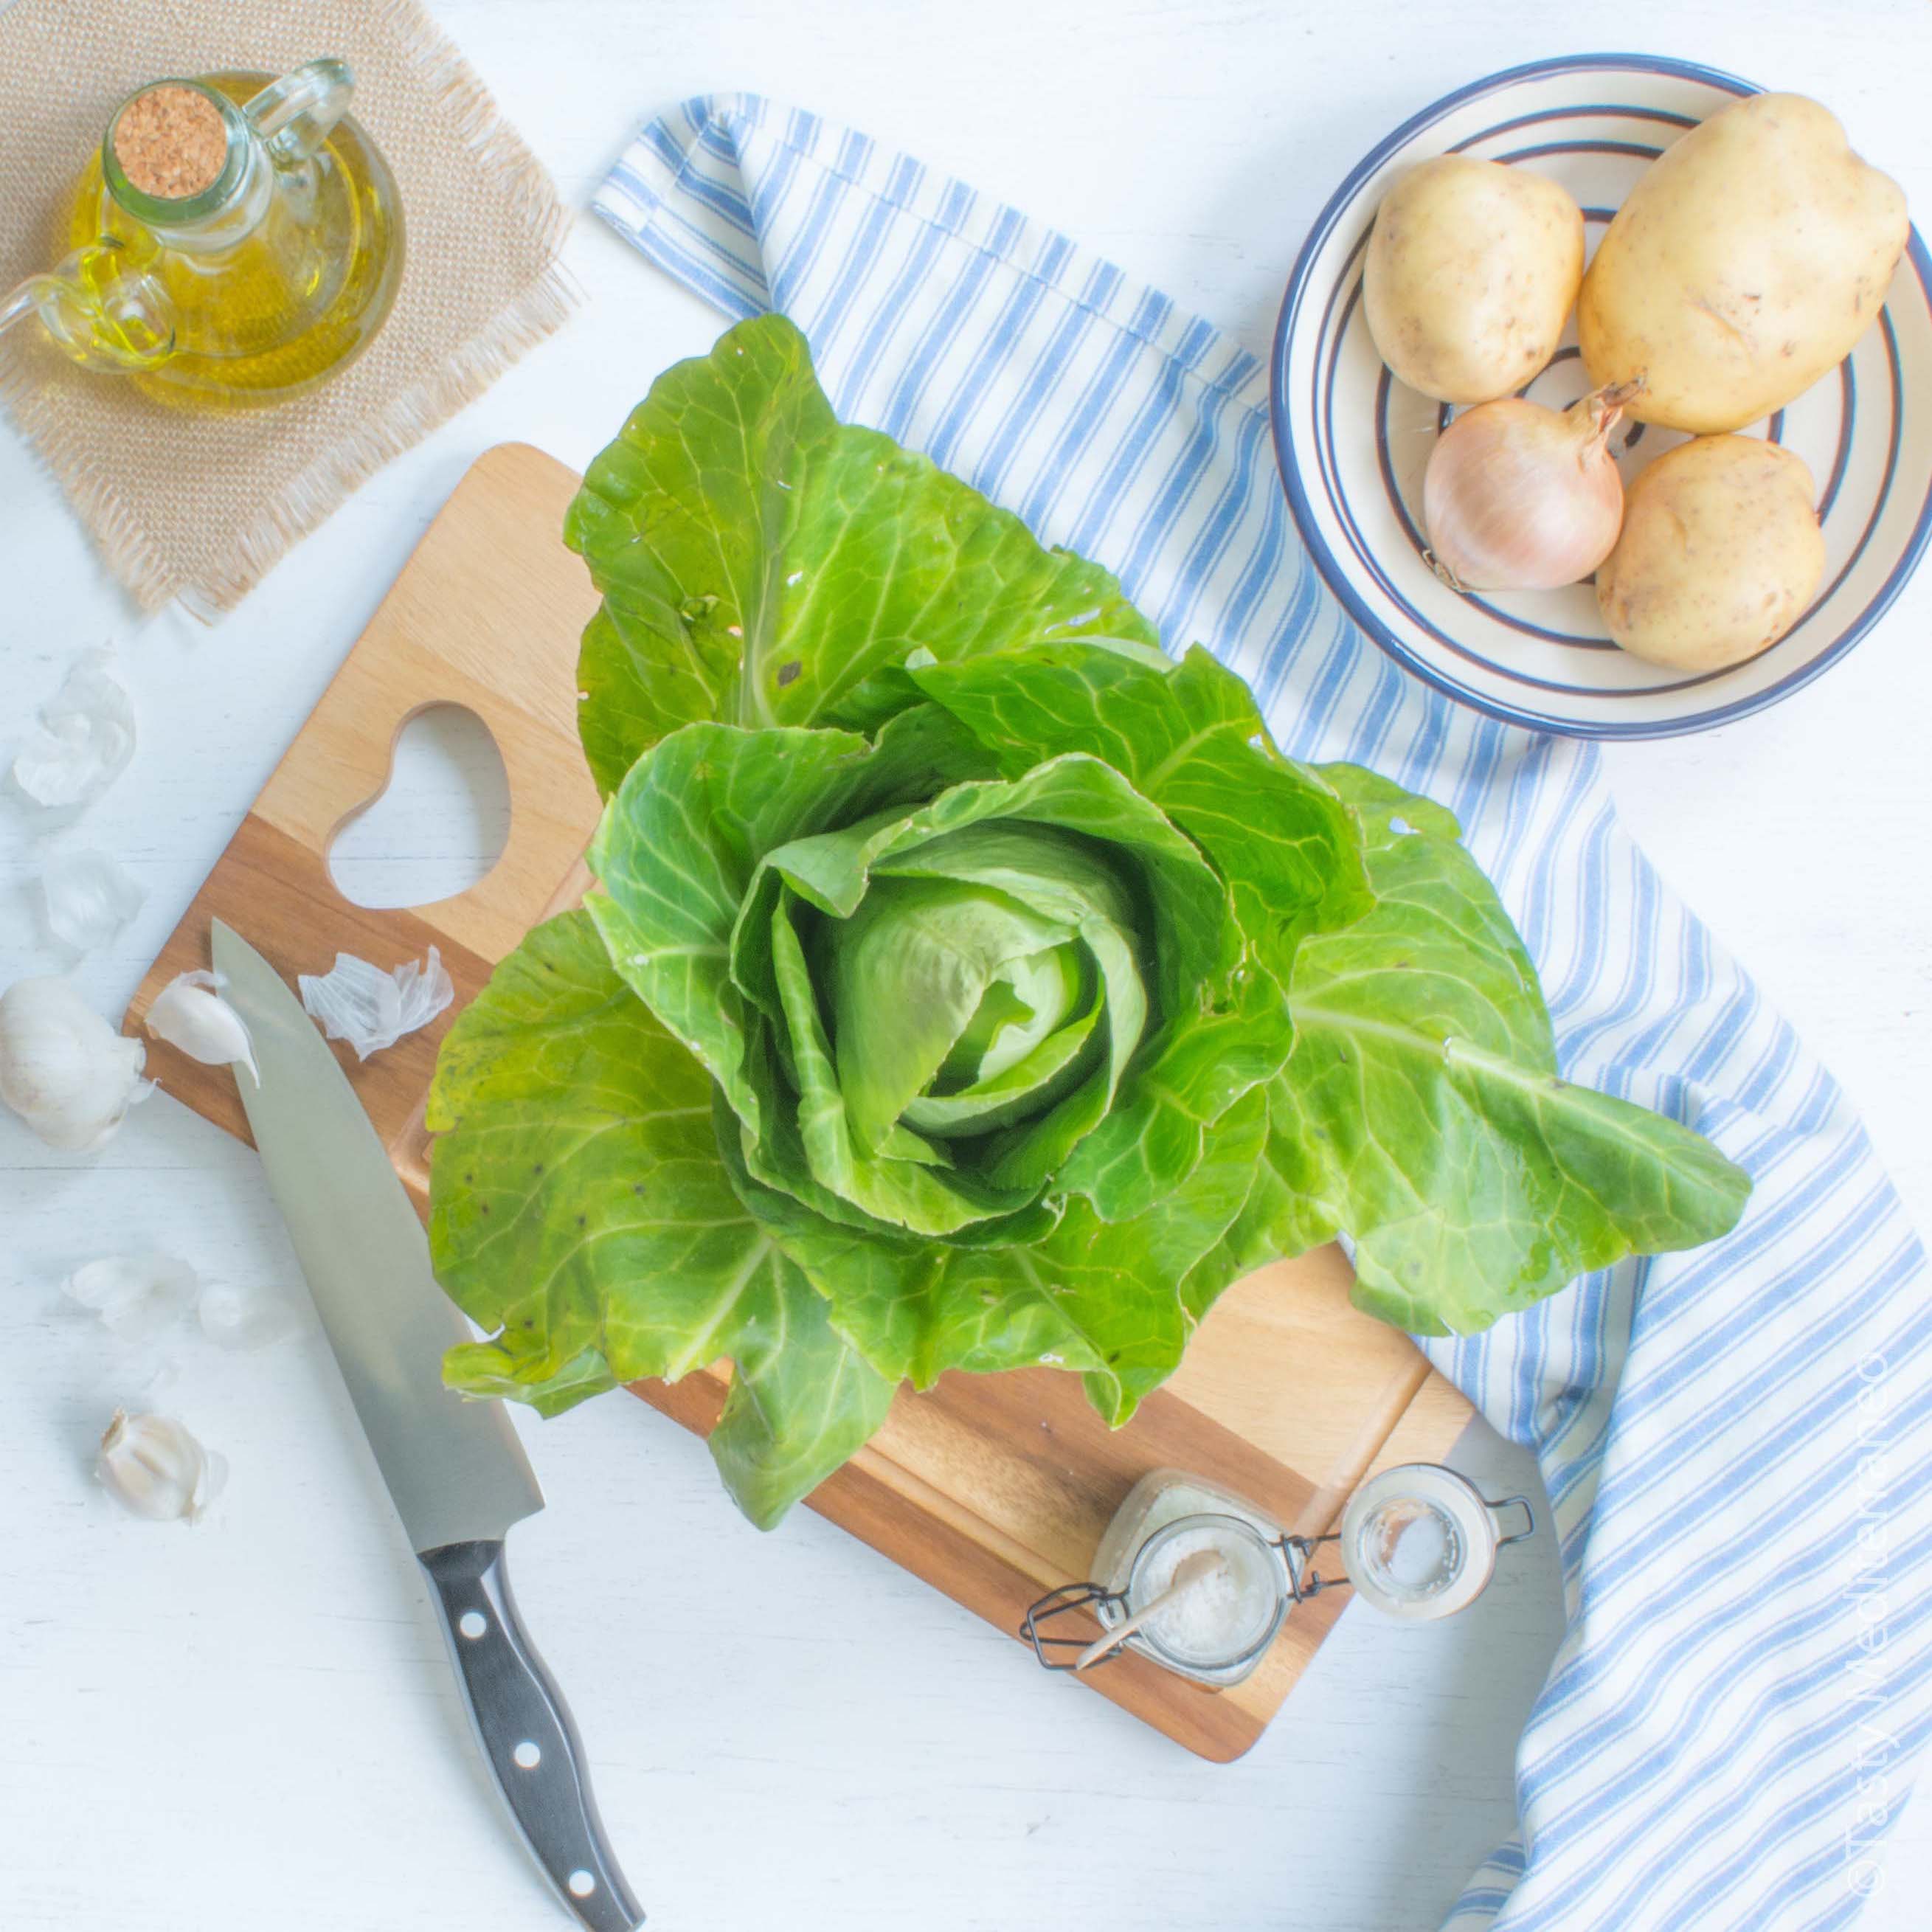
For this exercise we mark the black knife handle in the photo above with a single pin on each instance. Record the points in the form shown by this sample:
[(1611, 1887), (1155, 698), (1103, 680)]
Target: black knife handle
[(524, 1726)]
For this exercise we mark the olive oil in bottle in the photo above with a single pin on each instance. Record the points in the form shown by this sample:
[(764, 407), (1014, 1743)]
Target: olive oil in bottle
[(236, 241)]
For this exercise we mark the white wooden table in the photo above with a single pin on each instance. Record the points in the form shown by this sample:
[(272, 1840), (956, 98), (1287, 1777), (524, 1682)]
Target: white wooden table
[(253, 1723)]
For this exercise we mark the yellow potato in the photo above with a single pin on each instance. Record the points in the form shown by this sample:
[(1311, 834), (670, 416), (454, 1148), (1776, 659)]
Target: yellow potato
[(1751, 255), (1720, 553), (1472, 269)]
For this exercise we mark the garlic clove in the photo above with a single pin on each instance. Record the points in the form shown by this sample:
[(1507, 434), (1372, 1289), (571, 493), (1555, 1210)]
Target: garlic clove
[(63, 1069), (371, 1009), (190, 1014), (244, 1318), (86, 740), (86, 898), (134, 1294), (155, 1468)]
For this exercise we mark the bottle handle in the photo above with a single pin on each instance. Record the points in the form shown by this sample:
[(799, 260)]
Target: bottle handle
[(100, 310), (293, 117)]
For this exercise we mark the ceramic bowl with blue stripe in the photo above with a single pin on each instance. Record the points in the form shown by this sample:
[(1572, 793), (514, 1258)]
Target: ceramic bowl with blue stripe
[(1353, 442)]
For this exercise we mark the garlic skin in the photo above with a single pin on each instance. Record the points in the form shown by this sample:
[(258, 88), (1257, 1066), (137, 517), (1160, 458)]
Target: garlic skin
[(164, 1372), (63, 1069), (154, 1469), (188, 1012), (134, 1295), (1520, 497), (245, 1319), (86, 898), (86, 738), (370, 1008)]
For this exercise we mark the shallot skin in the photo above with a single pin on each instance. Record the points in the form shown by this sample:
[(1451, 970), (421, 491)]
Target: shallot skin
[(1520, 497)]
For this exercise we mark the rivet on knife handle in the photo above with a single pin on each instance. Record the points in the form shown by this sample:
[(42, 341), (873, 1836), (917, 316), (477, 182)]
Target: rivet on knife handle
[(526, 1734)]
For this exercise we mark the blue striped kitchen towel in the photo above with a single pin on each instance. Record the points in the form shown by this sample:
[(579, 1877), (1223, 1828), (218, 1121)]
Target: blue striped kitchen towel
[(1734, 1441)]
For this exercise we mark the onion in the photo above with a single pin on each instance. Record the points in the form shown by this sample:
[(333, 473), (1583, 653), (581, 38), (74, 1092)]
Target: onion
[(1520, 497)]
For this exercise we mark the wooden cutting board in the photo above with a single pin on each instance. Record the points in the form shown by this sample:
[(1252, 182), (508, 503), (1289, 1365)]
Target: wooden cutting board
[(994, 1489)]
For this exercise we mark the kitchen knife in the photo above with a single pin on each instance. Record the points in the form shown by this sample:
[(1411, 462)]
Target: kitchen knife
[(454, 1469)]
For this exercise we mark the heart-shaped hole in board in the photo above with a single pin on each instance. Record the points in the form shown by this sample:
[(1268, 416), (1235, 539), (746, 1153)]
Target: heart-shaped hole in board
[(437, 825)]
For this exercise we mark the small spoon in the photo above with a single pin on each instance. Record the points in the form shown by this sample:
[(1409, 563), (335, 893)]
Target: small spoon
[(1188, 1574)]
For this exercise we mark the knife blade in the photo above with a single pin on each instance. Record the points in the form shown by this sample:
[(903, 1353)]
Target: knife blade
[(453, 1466)]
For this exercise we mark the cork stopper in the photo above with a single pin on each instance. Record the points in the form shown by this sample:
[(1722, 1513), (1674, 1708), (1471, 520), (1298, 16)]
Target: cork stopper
[(171, 141)]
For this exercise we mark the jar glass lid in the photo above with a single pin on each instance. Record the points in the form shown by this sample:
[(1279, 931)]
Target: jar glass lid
[(1419, 1541)]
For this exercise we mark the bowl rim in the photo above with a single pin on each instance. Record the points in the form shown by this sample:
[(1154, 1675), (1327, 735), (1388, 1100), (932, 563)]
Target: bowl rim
[(1336, 578)]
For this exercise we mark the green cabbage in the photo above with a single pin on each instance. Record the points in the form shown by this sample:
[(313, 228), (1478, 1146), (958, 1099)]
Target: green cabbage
[(968, 986)]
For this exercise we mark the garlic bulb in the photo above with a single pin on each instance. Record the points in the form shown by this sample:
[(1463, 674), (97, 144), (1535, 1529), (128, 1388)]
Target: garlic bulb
[(153, 1468), (370, 1008), (135, 1295), (87, 898), (188, 1012), (86, 740), (63, 1069), (1520, 497)]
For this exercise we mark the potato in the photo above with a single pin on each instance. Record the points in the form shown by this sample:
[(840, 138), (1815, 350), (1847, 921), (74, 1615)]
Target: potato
[(1720, 553), (1751, 255), (1472, 269)]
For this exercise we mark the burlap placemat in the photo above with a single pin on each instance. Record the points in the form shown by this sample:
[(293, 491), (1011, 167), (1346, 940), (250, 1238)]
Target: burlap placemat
[(200, 506)]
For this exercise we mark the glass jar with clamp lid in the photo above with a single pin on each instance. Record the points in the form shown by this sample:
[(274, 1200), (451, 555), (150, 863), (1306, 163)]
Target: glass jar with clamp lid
[(1200, 1580)]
